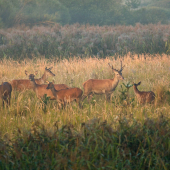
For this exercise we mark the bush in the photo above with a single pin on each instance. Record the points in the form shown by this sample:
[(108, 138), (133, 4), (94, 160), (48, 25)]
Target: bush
[(96, 145)]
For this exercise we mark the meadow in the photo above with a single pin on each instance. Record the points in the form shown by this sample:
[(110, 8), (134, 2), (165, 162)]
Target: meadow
[(121, 134)]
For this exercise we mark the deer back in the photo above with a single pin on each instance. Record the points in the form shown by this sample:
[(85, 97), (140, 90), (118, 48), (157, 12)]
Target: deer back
[(41, 90), (69, 94), (143, 96), (21, 84), (5, 89), (100, 86)]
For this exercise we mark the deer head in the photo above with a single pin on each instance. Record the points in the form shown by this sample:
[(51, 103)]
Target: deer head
[(118, 73)]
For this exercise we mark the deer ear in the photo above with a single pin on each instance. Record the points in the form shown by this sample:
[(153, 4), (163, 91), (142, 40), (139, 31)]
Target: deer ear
[(50, 68), (46, 68), (36, 72), (26, 72)]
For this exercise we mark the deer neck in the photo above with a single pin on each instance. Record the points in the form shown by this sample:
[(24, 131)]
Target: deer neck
[(54, 91), (136, 90), (115, 82), (43, 78), (34, 85)]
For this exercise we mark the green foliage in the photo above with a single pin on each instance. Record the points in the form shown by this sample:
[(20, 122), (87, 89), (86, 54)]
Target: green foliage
[(151, 15), (124, 93), (95, 12), (133, 3), (96, 145), (160, 3), (45, 101), (33, 12)]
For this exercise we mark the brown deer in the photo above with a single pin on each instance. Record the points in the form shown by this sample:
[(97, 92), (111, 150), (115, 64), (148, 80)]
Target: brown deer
[(23, 84), (143, 96), (66, 96), (41, 89), (103, 86), (5, 92)]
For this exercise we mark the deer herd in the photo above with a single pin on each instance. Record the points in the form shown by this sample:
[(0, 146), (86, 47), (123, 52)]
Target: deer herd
[(64, 94)]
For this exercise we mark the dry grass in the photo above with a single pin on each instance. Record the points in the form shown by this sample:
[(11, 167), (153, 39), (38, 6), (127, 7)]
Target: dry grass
[(153, 72)]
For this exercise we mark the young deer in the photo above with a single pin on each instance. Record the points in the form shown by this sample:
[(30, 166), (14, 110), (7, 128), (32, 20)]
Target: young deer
[(41, 89), (66, 96), (23, 84), (5, 92), (44, 77), (104, 86), (143, 96)]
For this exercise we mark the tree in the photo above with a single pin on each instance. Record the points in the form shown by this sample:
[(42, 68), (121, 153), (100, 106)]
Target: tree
[(31, 12), (95, 12), (133, 3)]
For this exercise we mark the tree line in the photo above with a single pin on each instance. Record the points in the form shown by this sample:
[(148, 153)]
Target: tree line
[(93, 12)]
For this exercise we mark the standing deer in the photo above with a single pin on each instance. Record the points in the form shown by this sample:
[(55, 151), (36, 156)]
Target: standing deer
[(41, 89), (66, 96), (104, 86), (23, 84), (5, 92), (143, 96)]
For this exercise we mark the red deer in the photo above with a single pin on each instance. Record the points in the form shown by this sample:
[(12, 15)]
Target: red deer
[(66, 96), (23, 84), (5, 92), (143, 96), (103, 86), (41, 89)]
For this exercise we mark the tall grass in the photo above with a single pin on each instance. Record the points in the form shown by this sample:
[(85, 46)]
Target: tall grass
[(119, 134)]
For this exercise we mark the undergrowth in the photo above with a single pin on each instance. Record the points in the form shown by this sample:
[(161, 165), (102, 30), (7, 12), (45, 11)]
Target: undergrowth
[(131, 145)]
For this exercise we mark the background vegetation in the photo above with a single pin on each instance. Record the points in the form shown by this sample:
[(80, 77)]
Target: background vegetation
[(94, 12), (83, 40), (120, 134), (68, 28)]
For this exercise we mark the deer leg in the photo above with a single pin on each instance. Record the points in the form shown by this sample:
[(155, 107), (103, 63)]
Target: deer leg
[(83, 97), (5, 101), (9, 102), (108, 97), (64, 105), (60, 105), (90, 97), (79, 103)]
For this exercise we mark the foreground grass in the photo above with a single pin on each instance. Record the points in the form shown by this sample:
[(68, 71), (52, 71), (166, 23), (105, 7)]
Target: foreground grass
[(116, 135), (96, 146)]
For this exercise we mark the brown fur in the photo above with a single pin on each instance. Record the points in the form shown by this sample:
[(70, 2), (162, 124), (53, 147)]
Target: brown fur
[(104, 86), (41, 89), (5, 92), (143, 96), (23, 84), (66, 96)]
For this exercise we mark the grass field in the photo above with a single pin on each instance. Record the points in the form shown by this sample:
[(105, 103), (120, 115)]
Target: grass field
[(122, 117)]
